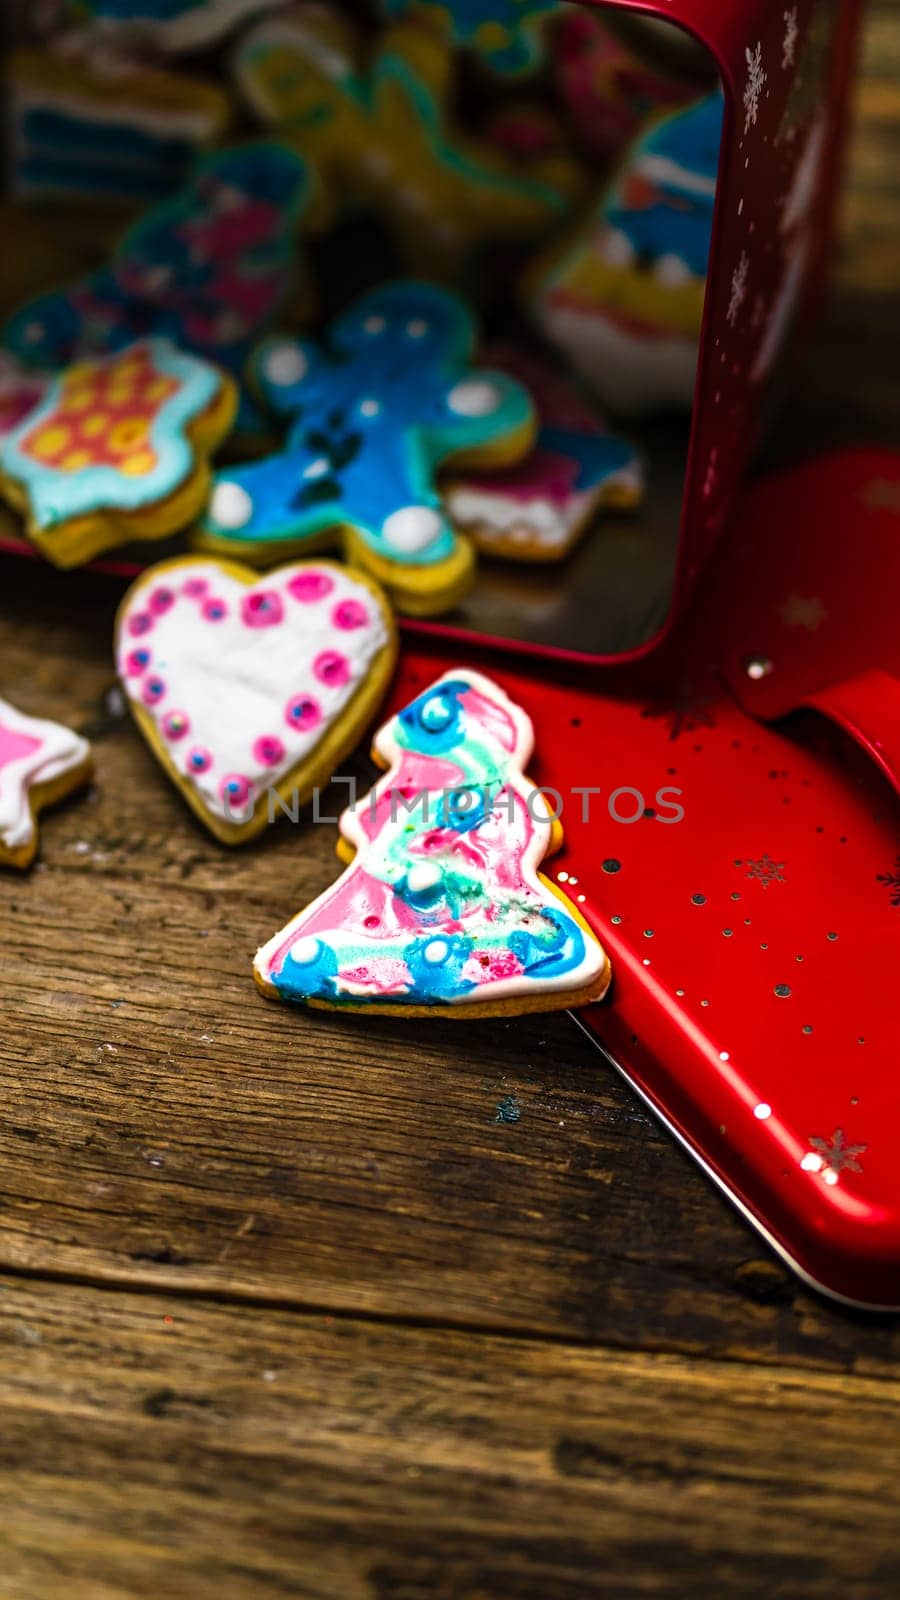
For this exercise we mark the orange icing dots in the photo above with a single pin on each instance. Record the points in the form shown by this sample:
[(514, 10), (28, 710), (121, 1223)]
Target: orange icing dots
[(104, 416)]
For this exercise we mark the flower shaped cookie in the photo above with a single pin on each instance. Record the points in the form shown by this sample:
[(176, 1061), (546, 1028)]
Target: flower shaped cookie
[(117, 450)]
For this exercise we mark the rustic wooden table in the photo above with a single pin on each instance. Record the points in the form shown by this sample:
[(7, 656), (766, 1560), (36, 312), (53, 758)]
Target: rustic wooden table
[(366, 1311)]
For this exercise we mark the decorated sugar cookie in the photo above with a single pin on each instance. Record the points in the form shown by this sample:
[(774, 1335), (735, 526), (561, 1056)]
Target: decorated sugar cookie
[(505, 34), (211, 269), (172, 26), (441, 908), (252, 691), (537, 509), (380, 136), (40, 762), (387, 399), (91, 125), (118, 449), (623, 298)]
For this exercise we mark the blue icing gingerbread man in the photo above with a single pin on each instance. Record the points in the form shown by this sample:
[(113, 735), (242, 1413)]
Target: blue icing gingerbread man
[(504, 33), (210, 269), (387, 398)]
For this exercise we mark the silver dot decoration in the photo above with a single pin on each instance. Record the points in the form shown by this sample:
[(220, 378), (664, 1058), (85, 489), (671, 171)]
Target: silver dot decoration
[(783, 990), (758, 667)]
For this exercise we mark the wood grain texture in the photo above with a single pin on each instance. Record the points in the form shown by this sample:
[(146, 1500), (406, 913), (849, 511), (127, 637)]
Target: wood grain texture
[(153, 1448), (451, 1317)]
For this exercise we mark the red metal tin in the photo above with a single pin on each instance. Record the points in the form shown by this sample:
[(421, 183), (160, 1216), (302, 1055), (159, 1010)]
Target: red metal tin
[(753, 939)]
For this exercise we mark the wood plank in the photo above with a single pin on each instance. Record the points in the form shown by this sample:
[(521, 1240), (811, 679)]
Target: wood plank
[(152, 1448), (164, 1125)]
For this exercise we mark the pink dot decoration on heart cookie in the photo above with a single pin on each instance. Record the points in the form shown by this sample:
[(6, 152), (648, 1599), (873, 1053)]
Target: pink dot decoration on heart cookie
[(235, 789), (140, 623), (175, 725), (154, 689), (262, 609), (331, 668), (195, 587), (268, 750), (310, 586), (136, 662), (215, 610), (199, 760), (161, 601), (349, 614), (303, 712)]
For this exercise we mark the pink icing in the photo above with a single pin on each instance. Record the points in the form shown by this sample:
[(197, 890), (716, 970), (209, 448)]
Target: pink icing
[(310, 586), (268, 750), (544, 474), (13, 745), (332, 668), (349, 614), (214, 610), (303, 712), (141, 622), (262, 608), (160, 601)]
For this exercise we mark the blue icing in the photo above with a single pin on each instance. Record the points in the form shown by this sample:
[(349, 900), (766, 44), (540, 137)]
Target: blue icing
[(433, 722), (681, 157), (305, 980), (690, 138), (436, 963), (598, 456), (377, 407), (504, 32), (556, 950), (465, 808)]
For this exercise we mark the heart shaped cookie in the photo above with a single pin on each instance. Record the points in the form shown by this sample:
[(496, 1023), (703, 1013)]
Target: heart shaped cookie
[(250, 691)]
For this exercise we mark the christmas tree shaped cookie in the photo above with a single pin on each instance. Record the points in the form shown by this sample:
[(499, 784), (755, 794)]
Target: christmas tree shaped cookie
[(441, 907)]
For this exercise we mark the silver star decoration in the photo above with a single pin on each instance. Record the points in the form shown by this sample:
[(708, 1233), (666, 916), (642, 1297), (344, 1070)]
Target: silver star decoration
[(802, 611), (765, 870), (833, 1156)]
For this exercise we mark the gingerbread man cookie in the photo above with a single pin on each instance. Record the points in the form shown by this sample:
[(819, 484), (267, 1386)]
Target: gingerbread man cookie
[(623, 298), (117, 450), (40, 763), (379, 135), (441, 909), (251, 691), (385, 401), (211, 269)]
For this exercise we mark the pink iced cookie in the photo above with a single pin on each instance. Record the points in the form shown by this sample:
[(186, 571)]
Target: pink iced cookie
[(538, 509), (40, 762), (251, 690)]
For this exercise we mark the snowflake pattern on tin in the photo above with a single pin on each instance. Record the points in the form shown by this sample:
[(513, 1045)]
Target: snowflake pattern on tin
[(833, 1156), (891, 882), (756, 79), (738, 288), (764, 871), (789, 44)]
